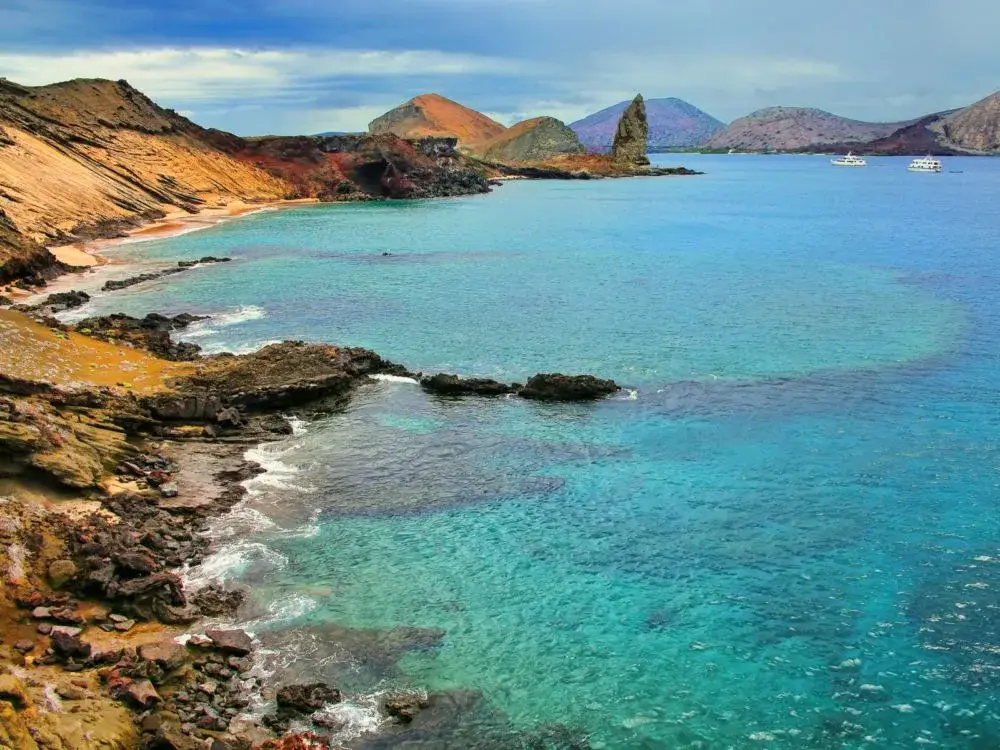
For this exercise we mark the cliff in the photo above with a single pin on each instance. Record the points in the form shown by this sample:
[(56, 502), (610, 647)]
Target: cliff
[(431, 115), (532, 140), (975, 128), (89, 158), (673, 123), (794, 129), (631, 138)]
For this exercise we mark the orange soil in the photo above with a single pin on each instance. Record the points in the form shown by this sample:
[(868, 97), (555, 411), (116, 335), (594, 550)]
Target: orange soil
[(34, 352)]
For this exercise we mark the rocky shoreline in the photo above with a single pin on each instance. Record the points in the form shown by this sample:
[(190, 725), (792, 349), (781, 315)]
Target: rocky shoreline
[(107, 494)]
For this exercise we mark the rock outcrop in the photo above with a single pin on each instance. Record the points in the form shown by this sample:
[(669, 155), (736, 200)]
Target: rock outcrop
[(630, 146), (432, 115), (532, 140), (365, 167), (452, 385), (151, 333), (673, 123), (559, 387)]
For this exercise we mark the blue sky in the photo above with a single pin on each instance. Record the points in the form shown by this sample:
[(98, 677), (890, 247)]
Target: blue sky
[(300, 66)]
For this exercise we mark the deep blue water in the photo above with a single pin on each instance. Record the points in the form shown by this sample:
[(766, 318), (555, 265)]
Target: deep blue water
[(783, 534)]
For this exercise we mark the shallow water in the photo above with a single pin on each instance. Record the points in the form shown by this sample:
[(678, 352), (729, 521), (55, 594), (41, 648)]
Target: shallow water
[(784, 534)]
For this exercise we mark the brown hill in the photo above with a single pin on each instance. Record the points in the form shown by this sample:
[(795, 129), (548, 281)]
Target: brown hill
[(435, 116), (532, 140), (975, 128), (794, 129), (88, 158)]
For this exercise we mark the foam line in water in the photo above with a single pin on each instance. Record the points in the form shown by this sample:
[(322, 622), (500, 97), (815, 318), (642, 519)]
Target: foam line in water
[(230, 561), (393, 379), (209, 327)]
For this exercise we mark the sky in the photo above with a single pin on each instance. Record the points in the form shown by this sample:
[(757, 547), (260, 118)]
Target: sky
[(303, 66)]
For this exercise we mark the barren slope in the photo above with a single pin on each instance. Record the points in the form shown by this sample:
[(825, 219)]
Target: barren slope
[(435, 116), (795, 128)]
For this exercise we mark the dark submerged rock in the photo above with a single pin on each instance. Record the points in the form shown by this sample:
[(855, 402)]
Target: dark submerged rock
[(453, 385), (559, 387), (306, 698)]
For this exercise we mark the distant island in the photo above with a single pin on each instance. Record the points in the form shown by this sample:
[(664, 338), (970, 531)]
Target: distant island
[(678, 126)]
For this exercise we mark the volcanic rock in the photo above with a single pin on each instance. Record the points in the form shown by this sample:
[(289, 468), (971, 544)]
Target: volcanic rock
[(167, 654), (59, 302), (453, 385), (68, 646), (231, 641), (558, 387), (139, 693), (632, 137), (306, 698), (215, 601), (405, 707), (151, 333)]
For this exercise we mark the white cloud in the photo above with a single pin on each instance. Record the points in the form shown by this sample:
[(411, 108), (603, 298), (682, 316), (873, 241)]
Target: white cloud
[(212, 73)]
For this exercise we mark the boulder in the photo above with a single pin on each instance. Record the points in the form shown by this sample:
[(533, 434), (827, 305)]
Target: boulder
[(68, 646), (215, 601), (306, 698), (61, 572), (632, 138), (231, 641), (453, 385), (138, 693), (167, 654), (559, 387)]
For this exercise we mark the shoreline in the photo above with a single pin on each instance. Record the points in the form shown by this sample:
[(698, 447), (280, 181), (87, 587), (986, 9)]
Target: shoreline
[(179, 462), (86, 256)]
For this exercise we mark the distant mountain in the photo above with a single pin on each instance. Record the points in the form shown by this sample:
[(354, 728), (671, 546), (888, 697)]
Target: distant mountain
[(532, 140), (433, 115), (673, 123), (971, 130), (796, 128)]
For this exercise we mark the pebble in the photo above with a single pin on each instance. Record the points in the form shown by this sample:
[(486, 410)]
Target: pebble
[(41, 613), (124, 626), (24, 646), (117, 618)]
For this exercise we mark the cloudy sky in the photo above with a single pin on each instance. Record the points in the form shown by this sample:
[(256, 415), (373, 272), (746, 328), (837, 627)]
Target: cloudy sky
[(299, 66)]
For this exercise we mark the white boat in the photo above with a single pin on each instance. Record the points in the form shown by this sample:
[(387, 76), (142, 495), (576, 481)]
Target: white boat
[(849, 161), (927, 164)]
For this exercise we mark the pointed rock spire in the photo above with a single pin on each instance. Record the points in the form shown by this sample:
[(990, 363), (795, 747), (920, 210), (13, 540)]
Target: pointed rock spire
[(632, 138)]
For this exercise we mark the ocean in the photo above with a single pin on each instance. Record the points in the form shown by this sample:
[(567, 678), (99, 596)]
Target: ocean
[(783, 533)]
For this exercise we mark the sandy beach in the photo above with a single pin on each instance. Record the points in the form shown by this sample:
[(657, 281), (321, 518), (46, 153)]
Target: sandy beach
[(87, 253)]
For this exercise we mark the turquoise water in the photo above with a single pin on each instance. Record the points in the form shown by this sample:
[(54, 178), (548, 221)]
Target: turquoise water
[(783, 534)]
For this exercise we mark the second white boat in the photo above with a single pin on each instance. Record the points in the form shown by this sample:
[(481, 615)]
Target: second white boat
[(849, 161)]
